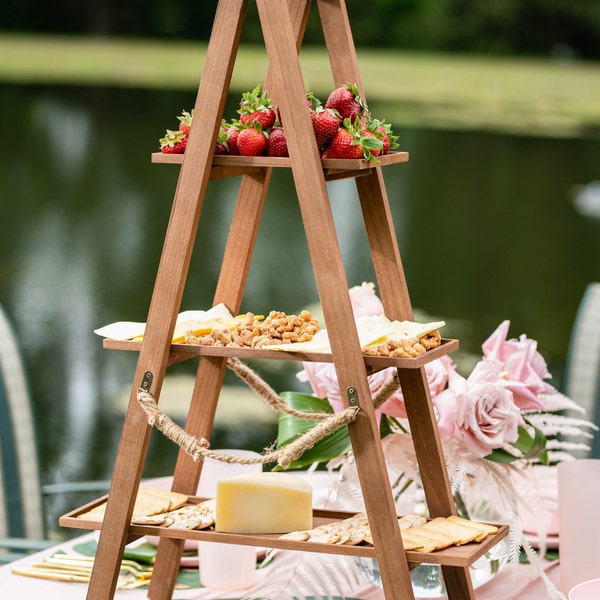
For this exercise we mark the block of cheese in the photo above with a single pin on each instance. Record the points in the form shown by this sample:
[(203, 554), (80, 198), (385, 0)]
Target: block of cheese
[(269, 502)]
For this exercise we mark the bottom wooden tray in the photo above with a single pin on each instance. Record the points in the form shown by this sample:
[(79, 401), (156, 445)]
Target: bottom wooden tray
[(456, 556)]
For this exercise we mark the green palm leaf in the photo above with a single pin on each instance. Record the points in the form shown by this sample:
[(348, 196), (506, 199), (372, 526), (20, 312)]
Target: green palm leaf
[(290, 428)]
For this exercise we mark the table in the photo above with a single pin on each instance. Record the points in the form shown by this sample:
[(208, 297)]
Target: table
[(507, 585)]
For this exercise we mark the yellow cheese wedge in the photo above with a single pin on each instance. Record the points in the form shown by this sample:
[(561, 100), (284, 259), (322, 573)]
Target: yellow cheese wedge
[(263, 503)]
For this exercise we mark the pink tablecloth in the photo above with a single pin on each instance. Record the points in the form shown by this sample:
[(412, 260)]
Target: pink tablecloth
[(524, 583)]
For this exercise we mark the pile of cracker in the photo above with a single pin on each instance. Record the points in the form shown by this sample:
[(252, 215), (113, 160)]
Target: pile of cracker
[(163, 508), (417, 532)]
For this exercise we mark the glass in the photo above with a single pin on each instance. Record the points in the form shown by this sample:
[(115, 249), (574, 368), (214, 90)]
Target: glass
[(427, 580), (225, 566), (578, 500)]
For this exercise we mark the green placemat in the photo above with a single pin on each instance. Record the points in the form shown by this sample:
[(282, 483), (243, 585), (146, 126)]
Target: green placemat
[(144, 553)]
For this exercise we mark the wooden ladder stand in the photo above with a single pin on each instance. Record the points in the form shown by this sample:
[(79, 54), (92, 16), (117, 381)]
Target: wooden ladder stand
[(283, 25)]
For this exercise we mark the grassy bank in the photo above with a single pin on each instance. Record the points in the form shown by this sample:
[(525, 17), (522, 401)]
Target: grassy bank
[(528, 97)]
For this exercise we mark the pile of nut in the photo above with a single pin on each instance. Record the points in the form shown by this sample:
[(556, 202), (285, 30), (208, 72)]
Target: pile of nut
[(406, 348), (251, 332)]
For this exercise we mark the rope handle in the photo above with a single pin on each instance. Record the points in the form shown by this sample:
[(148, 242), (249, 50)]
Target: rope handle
[(198, 448)]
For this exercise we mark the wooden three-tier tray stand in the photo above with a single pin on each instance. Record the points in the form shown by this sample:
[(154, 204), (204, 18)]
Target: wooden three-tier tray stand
[(283, 23)]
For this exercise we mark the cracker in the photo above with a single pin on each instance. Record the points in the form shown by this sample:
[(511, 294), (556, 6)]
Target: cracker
[(459, 533), (196, 521), (296, 536), (420, 541), (148, 502), (484, 529), (322, 536), (410, 543), (344, 535), (175, 499), (148, 520), (357, 535), (94, 514), (415, 520)]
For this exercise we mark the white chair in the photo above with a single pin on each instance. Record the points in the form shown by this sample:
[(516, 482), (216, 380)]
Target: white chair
[(22, 522), (582, 372)]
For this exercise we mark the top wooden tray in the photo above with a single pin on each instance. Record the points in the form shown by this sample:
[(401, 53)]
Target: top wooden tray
[(181, 352), (227, 166)]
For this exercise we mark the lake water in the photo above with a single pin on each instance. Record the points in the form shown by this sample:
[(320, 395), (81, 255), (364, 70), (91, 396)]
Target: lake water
[(486, 223)]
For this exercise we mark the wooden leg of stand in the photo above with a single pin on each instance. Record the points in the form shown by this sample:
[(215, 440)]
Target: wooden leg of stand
[(432, 467), (211, 370)]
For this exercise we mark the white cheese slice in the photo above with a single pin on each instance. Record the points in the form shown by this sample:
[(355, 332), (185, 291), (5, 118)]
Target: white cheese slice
[(410, 329), (269, 502), (189, 320), (121, 330), (370, 330), (373, 330)]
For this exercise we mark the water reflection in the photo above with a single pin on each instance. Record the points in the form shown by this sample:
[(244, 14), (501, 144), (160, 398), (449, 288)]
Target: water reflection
[(486, 228)]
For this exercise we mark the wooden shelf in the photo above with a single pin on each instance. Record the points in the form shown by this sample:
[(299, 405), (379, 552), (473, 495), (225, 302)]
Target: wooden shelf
[(180, 352), (333, 168), (456, 556), (283, 23)]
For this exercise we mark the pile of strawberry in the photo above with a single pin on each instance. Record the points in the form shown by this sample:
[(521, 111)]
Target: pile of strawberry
[(343, 128)]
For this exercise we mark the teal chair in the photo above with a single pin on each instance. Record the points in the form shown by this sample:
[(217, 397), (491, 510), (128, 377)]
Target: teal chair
[(582, 372), (22, 521)]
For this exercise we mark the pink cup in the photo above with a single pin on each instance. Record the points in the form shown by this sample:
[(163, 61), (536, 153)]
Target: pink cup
[(578, 501), (588, 590)]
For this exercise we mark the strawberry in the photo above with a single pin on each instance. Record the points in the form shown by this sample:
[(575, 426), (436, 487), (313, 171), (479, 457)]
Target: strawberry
[(325, 121), (252, 141), (351, 142), (174, 142), (367, 133), (384, 132), (254, 107), (276, 142), (185, 121), (343, 145), (221, 145), (233, 130), (347, 101)]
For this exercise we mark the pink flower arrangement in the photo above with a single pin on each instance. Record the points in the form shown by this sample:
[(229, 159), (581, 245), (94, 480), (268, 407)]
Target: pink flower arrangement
[(482, 412), (479, 412)]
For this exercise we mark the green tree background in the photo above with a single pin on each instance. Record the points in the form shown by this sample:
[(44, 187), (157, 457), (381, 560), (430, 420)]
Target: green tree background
[(561, 28)]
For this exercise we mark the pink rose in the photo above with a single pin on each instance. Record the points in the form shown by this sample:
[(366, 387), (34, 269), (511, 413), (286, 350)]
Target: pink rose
[(323, 380), (524, 368), (365, 302), (480, 411), (437, 377)]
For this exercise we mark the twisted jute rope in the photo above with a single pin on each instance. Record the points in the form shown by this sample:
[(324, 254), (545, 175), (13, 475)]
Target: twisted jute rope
[(198, 448), (388, 389), (276, 402), (267, 393)]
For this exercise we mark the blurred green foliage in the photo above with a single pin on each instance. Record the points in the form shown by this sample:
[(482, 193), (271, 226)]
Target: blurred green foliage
[(561, 28)]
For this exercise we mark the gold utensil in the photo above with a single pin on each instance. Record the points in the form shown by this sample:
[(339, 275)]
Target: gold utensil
[(63, 567)]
